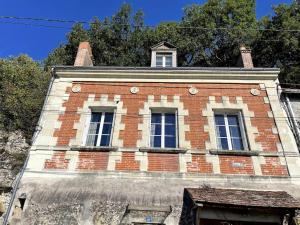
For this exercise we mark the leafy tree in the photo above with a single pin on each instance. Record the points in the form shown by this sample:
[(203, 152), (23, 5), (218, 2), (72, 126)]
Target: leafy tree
[(208, 35), (227, 25), (59, 56), (23, 85), (278, 47)]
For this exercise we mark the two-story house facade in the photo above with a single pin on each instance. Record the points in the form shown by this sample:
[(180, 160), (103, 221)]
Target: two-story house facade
[(156, 145)]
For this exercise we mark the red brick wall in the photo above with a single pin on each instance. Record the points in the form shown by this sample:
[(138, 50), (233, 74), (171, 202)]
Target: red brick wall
[(236, 165), (57, 161), (163, 162), (273, 167), (128, 162), (92, 160), (199, 165), (195, 104)]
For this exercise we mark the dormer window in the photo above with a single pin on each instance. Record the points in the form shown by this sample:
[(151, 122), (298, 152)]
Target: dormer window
[(164, 54), (164, 60)]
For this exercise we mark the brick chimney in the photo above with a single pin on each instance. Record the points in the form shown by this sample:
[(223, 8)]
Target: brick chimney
[(84, 55), (245, 59)]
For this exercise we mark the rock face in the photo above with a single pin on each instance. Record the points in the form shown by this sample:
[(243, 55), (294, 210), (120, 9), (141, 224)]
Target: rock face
[(13, 151)]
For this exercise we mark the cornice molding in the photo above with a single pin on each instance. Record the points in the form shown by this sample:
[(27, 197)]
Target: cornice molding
[(181, 74)]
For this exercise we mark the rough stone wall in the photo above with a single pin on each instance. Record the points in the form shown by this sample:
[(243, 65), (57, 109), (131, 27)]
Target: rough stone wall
[(102, 199), (4, 201), (13, 151)]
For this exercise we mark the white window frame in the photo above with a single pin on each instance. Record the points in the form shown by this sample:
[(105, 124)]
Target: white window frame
[(241, 127), (100, 128), (162, 136), (163, 59)]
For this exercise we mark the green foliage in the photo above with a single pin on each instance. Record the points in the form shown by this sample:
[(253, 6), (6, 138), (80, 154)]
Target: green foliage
[(122, 40), (235, 22), (279, 47), (23, 85)]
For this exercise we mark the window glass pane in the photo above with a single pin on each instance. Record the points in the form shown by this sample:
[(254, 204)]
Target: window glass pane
[(170, 118), (94, 128), (233, 120), (156, 129), (221, 131), (106, 128), (105, 139), (170, 130), (159, 60), (168, 61), (223, 144), (170, 141), (96, 117), (219, 119), (235, 131), (156, 118), (155, 141), (108, 117), (237, 144), (91, 140)]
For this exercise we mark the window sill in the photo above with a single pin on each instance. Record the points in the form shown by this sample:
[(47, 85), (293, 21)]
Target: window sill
[(94, 148), (234, 152), (163, 150)]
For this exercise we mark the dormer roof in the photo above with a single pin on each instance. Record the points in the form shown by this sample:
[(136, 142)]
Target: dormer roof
[(163, 45)]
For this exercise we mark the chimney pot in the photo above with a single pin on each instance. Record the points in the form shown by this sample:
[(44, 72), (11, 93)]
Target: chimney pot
[(84, 55), (245, 57)]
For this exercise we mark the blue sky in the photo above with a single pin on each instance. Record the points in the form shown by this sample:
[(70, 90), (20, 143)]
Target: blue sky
[(39, 41)]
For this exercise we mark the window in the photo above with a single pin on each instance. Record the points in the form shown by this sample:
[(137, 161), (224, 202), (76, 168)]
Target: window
[(230, 132), (99, 133), (163, 130), (164, 60)]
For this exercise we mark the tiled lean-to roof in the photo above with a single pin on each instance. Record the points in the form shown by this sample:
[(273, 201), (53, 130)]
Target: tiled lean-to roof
[(246, 198)]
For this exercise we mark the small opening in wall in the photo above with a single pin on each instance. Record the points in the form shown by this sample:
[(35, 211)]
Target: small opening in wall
[(22, 201)]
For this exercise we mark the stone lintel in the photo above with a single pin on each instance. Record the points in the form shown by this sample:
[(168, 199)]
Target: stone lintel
[(163, 150), (234, 152), (94, 148)]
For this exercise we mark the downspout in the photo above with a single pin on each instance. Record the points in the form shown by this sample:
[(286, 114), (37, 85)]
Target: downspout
[(36, 132)]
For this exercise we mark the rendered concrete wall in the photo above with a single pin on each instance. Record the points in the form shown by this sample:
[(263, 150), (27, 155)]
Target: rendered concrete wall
[(103, 198)]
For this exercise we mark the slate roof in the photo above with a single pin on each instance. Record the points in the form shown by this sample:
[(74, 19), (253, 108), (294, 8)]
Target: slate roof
[(121, 68), (246, 198)]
